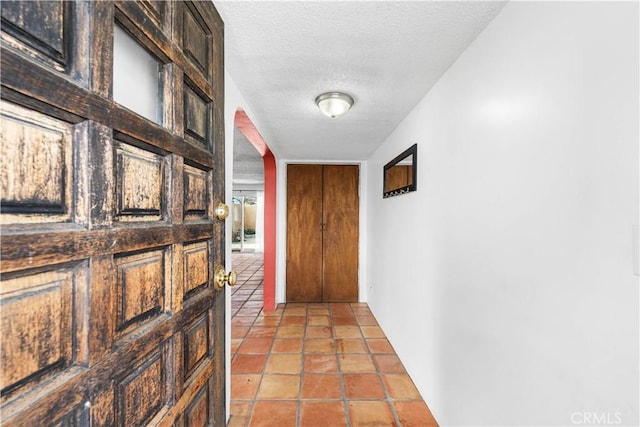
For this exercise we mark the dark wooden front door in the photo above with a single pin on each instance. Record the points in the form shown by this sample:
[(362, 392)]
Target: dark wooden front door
[(322, 233), (109, 313)]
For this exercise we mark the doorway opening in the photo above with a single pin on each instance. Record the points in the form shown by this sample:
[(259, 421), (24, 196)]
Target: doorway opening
[(253, 215), (247, 234), (247, 213), (254, 177)]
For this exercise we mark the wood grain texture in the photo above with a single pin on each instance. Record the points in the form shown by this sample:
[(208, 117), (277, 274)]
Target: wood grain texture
[(322, 233), (197, 117), (140, 287), (37, 327), (195, 40), (197, 414), (37, 28), (37, 185), (304, 233), (157, 10), (196, 193), (100, 154), (205, 378), (97, 258), (44, 327), (167, 46), (52, 94), (102, 306), (94, 33), (140, 194), (195, 267), (56, 246), (341, 219), (175, 208), (70, 391), (173, 106), (196, 345), (217, 383), (141, 395)]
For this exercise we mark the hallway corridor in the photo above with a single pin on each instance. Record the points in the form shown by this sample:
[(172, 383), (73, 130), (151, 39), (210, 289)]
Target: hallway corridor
[(313, 364)]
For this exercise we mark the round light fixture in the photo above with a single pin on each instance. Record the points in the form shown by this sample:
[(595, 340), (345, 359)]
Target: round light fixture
[(334, 104)]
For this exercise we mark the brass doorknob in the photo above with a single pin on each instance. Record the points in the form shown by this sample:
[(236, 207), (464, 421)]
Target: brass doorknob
[(221, 277), (222, 211)]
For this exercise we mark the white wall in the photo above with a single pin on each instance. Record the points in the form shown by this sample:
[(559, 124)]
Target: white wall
[(506, 282), (233, 100), (260, 222)]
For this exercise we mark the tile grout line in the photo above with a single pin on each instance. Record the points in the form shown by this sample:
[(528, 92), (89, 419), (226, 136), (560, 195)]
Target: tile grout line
[(264, 367), (299, 401), (355, 312), (345, 400), (384, 384), (252, 402)]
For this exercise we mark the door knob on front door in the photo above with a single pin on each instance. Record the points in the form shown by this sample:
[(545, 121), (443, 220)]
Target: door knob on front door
[(221, 277), (222, 211)]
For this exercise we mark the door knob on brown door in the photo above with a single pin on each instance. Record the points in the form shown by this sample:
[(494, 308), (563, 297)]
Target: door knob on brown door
[(222, 211), (221, 277)]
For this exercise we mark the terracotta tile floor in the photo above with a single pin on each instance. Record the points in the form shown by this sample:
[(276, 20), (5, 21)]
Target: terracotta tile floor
[(313, 364)]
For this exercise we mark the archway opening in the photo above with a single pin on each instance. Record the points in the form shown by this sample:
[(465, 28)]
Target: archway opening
[(244, 124)]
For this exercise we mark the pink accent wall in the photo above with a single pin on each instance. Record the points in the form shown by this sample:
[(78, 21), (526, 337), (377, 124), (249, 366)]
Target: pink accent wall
[(245, 125)]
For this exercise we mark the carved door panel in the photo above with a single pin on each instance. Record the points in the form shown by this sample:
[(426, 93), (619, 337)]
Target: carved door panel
[(109, 314)]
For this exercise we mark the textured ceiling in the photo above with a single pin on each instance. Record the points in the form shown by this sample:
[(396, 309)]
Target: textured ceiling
[(387, 55)]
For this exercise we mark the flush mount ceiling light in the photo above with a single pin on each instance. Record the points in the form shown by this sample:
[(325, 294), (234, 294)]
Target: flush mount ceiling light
[(334, 104)]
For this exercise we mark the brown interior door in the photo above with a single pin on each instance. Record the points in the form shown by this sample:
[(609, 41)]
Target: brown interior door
[(109, 313), (304, 233), (322, 233), (340, 237)]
